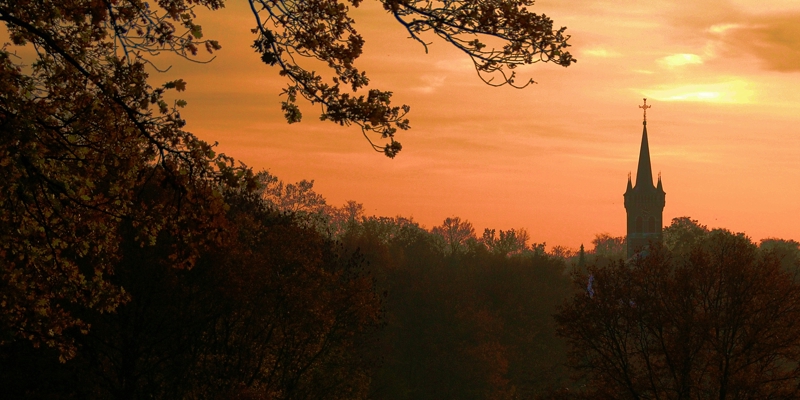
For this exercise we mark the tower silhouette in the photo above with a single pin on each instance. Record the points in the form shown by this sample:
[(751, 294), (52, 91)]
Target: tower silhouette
[(644, 202)]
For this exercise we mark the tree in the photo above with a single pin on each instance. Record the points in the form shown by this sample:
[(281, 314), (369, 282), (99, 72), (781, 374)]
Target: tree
[(84, 142), (287, 31), (475, 325), (299, 307), (787, 251), (719, 321), (683, 234), (564, 253), (86, 136), (322, 29), (276, 311), (455, 233), (609, 248), (509, 242)]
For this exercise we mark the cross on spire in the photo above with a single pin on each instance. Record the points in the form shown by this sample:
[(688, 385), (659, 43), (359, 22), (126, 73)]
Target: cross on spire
[(645, 107)]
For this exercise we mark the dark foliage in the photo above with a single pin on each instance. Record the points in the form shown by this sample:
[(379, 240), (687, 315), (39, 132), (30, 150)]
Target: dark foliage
[(84, 131), (474, 323), (275, 312), (709, 317)]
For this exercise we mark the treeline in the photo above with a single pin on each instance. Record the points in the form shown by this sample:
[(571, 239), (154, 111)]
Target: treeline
[(465, 315), (466, 318), (705, 314), (300, 300), (297, 299), (270, 309)]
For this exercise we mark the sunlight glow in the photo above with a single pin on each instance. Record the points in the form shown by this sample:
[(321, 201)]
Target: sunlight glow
[(738, 92), (679, 60)]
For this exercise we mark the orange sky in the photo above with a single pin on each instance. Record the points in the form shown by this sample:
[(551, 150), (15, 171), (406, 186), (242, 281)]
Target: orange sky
[(722, 78)]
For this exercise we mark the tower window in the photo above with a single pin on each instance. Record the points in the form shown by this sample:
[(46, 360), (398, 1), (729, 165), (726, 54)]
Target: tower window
[(639, 225), (651, 225)]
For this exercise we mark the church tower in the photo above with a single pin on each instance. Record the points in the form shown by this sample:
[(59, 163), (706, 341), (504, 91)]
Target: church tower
[(644, 202)]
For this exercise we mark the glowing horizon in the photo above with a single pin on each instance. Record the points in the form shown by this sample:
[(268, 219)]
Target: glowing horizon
[(552, 158)]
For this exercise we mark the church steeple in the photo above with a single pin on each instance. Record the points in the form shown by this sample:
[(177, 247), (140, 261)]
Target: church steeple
[(644, 174), (644, 202)]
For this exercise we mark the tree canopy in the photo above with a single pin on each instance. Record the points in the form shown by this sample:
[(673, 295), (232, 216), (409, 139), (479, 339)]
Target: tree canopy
[(711, 317), (323, 30), (274, 311), (97, 37), (90, 143)]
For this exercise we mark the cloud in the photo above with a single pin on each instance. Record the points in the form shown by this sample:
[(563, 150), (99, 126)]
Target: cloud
[(769, 35), (731, 92), (600, 52), (773, 39), (431, 83), (722, 28), (679, 60)]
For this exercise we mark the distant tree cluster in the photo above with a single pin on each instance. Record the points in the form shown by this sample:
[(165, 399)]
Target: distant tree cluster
[(706, 314), (464, 316), (467, 317)]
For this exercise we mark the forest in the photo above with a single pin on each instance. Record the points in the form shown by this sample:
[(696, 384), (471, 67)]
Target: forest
[(307, 300), (138, 262)]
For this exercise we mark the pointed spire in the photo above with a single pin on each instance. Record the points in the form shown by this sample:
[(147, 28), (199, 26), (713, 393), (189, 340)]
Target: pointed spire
[(644, 174), (659, 187), (630, 186)]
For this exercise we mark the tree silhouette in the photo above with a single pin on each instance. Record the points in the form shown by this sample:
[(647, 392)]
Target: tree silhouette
[(717, 321), (455, 233), (683, 234), (508, 242), (787, 251), (85, 134), (84, 141), (275, 311), (323, 30), (476, 324)]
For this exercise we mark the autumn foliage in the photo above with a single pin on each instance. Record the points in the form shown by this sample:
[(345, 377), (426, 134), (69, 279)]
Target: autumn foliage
[(275, 310), (137, 262), (87, 135)]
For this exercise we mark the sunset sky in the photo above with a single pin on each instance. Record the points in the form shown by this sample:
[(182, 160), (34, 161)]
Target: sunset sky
[(723, 79)]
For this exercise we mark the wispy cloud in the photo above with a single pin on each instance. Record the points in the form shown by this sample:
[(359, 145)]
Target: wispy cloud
[(722, 28), (431, 83), (679, 60), (600, 52), (733, 91)]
